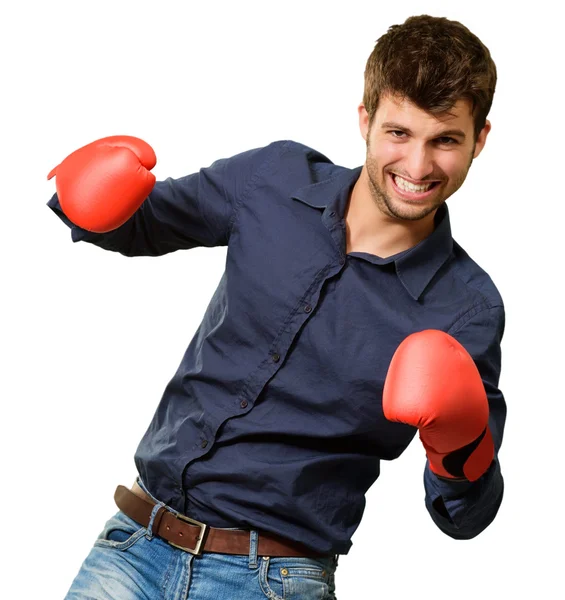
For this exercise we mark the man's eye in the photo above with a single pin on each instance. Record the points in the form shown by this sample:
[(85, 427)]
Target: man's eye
[(447, 140), (444, 140)]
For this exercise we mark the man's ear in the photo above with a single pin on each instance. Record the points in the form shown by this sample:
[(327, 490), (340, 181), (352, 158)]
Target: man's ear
[(481, 140), (363, 121)]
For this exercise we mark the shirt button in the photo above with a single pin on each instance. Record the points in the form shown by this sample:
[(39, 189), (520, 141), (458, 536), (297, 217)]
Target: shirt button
[(276, 357), (307, 308), (243, 404), (342, 261), (204, 443)]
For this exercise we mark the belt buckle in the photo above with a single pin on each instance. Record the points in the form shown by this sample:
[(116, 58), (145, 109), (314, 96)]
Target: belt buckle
[(199, 541)]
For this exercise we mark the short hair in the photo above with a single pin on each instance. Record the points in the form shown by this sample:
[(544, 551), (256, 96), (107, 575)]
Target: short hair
[(433, 62)]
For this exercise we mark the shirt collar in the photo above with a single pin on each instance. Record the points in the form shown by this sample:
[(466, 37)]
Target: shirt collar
[(416, 266)]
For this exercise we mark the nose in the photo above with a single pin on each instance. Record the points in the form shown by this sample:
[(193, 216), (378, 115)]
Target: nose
[(419, 162)]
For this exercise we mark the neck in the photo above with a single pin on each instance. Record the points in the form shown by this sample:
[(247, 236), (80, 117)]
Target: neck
[(369, 229)]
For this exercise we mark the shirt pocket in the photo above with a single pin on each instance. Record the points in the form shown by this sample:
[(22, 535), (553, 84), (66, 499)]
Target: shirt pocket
[(294, 579), (120, 533)]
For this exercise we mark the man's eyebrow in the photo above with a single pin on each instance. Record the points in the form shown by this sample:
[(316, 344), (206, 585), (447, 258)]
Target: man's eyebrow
[(397, 126)]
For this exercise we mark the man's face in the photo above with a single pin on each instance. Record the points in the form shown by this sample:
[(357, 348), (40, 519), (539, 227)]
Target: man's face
[(415, 160)]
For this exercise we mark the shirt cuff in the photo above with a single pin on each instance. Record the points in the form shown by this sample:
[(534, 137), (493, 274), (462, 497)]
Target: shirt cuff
[(77, 233), (462, 509)]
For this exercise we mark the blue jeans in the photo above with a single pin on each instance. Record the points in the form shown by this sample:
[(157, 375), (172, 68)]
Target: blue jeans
[(127, 562)]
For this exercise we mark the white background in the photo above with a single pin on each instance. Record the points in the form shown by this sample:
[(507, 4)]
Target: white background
[(91, 338)]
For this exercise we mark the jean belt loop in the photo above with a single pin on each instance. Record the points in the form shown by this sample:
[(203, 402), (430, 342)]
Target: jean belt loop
[(156, 508), (253, 544)]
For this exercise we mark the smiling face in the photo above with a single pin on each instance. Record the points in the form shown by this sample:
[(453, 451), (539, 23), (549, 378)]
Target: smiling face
[(415, 160)]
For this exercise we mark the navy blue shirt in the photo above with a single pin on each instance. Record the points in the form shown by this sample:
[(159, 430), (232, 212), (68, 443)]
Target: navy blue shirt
[(274, 418)]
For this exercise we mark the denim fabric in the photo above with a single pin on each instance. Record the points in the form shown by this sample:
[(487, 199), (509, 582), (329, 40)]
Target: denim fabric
[(128, 562)]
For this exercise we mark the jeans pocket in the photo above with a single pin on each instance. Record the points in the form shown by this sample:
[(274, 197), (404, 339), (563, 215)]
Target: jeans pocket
[(120, 532), (294, 579)]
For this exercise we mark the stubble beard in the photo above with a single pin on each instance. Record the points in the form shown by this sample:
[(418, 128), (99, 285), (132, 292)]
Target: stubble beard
[(399, 209)]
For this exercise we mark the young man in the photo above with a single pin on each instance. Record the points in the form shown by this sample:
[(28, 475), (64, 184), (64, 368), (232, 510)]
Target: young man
[(346, 321)]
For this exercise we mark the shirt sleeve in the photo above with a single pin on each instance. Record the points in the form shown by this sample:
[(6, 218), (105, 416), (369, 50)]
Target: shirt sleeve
[(194, 210), (463, 509)]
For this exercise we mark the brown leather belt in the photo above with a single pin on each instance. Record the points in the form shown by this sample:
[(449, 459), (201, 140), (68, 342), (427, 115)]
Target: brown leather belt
[(195, 537)]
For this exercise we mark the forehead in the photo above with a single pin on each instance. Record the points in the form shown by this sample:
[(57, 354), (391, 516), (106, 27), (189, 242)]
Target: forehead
[(405, 112)]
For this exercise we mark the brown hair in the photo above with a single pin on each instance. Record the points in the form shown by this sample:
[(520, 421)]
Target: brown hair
[(433, 62)]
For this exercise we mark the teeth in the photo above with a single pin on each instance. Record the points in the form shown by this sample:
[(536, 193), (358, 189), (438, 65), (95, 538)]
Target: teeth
[(410, 187)]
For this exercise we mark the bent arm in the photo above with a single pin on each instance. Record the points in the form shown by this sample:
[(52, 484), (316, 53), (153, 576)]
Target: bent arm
[(463, 509), (179, 214)]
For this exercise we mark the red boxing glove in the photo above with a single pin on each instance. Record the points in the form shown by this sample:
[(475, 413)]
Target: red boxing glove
[(101, 185), (433, 384)]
